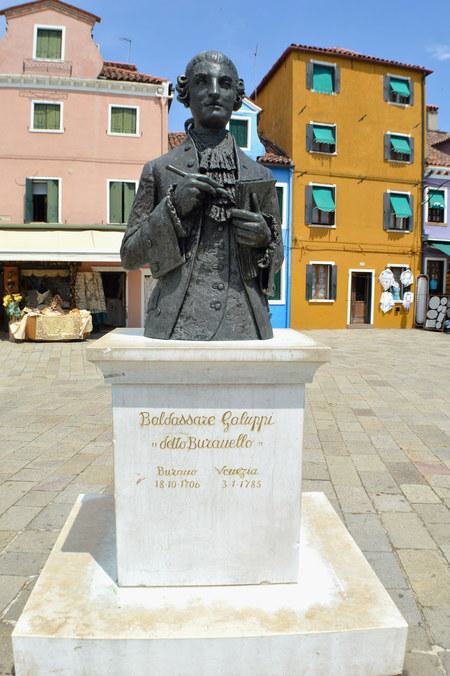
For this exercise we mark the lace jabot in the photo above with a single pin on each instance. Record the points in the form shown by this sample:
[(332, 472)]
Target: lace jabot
[(217, 160)]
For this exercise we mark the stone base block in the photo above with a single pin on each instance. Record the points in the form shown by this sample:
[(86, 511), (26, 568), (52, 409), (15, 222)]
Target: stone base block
[(337, 621)]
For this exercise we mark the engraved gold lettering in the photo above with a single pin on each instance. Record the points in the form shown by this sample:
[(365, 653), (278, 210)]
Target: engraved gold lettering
[(174, 471), (241, 472), (254, 422)]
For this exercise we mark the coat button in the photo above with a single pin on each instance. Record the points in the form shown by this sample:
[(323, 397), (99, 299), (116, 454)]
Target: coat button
[(186, 148), (220, 228), (190, 164), (219, 286), (149, 243), (188, 255), (157, 311), (215, 305)]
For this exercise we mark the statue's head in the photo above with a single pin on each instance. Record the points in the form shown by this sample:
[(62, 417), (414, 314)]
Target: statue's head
[(211, 88)]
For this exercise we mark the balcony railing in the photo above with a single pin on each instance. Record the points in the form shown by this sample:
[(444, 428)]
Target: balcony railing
[(38, 67)]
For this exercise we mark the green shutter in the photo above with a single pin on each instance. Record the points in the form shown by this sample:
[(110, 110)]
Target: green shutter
[(49, 43), (129, 191), (52, 201), (401, 205), (239, 129), (123, 120), (323, 78), (280, 193), (309, 281), (400, 144), (28, 200), (115, 202), (47, 116), (277, 286), (333, 282), (324, 134), (400, 86), (323, 198), (436, 199), (308, 204)]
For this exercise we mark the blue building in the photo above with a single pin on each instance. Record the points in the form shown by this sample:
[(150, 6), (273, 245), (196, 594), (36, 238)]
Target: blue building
[(244, 127)]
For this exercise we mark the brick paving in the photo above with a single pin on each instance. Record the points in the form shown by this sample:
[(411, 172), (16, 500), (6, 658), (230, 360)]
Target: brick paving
[(377, 442)]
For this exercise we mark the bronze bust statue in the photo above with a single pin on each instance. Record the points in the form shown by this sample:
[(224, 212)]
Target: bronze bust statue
[(206, 220)]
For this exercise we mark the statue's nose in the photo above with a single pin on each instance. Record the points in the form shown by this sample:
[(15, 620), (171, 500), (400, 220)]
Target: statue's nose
[(214, 88)]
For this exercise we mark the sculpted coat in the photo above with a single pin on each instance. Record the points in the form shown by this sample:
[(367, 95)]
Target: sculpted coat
[(156, 236)]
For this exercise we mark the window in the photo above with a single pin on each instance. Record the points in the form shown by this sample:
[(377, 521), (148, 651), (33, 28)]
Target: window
[(48, 43), (121, 197), (398, 148), (398, 290), (42, 200), (46, 116), (436, 207), (123, 120), (398, 211), (321, 138), (322, 77), (398, 90), (321, 281), (240, 130), (320, 206)]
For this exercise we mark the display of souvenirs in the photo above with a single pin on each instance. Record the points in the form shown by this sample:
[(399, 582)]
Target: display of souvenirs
[(438, 312)]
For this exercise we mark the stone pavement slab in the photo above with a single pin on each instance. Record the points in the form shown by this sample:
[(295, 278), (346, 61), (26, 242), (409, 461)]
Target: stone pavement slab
[(377, 442)]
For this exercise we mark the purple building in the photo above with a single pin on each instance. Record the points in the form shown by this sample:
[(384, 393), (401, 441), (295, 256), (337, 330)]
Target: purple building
[(436, 245)]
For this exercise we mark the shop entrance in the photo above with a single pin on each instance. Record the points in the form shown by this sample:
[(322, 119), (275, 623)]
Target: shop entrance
[(360, 297), (114, 286)]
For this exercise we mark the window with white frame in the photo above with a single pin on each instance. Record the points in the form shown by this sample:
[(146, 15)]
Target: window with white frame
[(321, 138), (398, 211), (41, 200), (46, 116), (323, 77), (240, 129), (398, 89), (436, 204), (49, 43), (121, 196), (320, 205), (123, 120), (397, 289), (321, 281), (398, 148)]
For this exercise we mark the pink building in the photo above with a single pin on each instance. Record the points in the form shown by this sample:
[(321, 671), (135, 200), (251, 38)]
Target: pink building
[(76, 133)]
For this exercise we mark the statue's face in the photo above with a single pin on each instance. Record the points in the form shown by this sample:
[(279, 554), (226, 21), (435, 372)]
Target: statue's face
[(212, 94)]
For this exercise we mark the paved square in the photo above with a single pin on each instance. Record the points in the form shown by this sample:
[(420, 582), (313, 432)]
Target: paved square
[(377, 442)]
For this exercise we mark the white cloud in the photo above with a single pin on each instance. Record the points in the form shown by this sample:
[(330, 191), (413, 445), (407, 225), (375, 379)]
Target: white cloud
[(440, 52)]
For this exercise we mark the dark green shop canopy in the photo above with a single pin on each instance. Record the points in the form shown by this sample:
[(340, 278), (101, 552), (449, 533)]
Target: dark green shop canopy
[(401, 206), (400, 87), (436, 199), (444, 248), (400, 144), (324, 134), (323, 198)]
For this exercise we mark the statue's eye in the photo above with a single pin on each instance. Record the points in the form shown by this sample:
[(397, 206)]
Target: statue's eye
[(225, 82), (200, 79)]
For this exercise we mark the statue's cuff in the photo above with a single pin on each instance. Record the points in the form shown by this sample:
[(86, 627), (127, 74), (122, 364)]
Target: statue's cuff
[(265, 260), (170, 202)]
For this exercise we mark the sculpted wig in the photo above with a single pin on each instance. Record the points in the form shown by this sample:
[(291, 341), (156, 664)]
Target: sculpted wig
[(213, 57)]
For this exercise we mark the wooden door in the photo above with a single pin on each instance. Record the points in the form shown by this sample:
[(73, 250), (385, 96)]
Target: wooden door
[(360, 298)]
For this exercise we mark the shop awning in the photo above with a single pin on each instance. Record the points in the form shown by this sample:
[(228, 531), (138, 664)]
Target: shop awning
[(324, 134), (400, 87), (401, 206), (323, 198), (60, 245), (400, 144), (436, 199), (444, 248)]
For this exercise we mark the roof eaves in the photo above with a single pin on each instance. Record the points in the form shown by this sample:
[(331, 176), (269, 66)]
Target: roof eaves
[(65, 5)]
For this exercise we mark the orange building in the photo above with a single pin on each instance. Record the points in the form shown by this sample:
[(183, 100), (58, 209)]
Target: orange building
[(354, 126)]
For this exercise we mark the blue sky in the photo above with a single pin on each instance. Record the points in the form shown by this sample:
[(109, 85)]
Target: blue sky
[(165, 35)]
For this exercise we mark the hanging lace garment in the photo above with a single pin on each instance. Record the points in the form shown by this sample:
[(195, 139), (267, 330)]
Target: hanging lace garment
[(386, 301)]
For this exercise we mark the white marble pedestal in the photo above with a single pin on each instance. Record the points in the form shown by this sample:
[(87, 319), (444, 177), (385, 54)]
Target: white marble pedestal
[(207, 456), (337, 621)]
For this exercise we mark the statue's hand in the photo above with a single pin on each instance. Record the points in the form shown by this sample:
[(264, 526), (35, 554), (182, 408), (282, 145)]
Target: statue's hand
[(250, 226), (191, 191)]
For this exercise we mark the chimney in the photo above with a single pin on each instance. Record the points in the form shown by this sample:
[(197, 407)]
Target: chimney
[(432, 118)]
